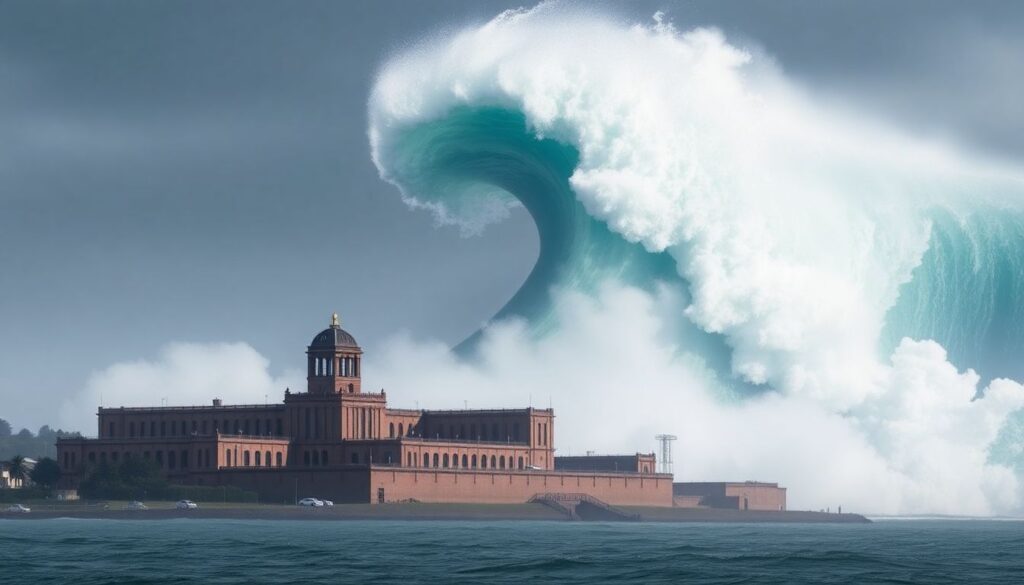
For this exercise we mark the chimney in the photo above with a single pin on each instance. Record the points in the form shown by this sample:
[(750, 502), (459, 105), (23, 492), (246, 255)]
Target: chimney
[(218, 402)]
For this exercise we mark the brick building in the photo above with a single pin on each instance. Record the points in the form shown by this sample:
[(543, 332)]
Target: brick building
[(336, 441), (746, 495)]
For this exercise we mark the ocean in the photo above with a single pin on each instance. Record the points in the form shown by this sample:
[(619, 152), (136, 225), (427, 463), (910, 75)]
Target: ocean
[(87, 552)]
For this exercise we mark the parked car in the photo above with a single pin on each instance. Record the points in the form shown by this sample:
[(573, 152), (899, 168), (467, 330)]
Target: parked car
[(311, 502), (137, 505), (328, 503), (18, 509), (186, 505)]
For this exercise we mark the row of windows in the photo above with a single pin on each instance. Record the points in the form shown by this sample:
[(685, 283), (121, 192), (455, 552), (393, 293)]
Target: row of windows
[(317, 458), (232, 458), (173, 459), (496, 434), (314, 458), (185, 428), (345, 366), (444, 460)]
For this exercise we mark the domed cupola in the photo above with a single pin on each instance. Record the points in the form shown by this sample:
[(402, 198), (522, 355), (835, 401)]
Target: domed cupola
[(333, 336), (334, 361)]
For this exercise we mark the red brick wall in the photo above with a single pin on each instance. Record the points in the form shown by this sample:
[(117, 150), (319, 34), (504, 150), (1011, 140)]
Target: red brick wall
[(757, 497), (517, 487)]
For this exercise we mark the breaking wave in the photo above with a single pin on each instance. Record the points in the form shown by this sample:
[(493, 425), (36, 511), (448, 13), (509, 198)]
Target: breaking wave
[(820, 256)]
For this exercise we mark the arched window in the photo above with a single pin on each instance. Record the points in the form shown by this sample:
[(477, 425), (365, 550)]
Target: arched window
[(483, 462), (408, 459), (258, 459), (227, 458), (455, 459), (493, 462), (445, 460), (436, 459), (401, 430), (267, 459), (465, 461), (278, 459), (351, 388), (355, 458), (473, 461), (521, 466), (426, 460), (391, 430), (501, 462), (323, 457), (245, 458)]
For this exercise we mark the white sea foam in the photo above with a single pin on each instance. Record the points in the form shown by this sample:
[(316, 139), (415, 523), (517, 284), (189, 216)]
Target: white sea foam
[(793, 225)]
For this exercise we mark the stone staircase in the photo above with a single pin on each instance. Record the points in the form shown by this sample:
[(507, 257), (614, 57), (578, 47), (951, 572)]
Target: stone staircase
[(577, 506)]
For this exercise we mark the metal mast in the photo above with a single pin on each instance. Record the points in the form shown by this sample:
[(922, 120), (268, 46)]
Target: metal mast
[(665, 462)]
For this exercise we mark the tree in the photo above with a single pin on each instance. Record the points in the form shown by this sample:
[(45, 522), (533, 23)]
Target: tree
[(25, 434), (46, 473), (134, 477), (17, 467), (5, 429)]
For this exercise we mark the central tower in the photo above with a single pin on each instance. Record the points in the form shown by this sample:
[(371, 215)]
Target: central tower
[(333, 361)]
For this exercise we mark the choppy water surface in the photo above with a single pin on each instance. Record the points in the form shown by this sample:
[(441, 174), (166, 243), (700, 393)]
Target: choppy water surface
[(218, 551)]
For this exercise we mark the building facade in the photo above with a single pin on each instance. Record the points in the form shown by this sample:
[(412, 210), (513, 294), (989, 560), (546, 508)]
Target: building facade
[(338, 441), (746, 495)]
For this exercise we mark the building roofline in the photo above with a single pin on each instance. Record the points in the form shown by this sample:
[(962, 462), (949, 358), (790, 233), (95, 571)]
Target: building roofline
[(274, 406)]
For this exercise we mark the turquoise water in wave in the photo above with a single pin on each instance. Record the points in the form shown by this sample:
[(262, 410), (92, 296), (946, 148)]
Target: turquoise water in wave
[(86, 552)]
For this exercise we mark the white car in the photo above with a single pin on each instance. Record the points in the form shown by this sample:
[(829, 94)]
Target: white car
[(328, 503), (312, 503), (186, 505), (18, 509), (137, 505)]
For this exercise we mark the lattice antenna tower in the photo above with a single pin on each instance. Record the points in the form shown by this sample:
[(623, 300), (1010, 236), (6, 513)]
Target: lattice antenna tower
[(665, 461)]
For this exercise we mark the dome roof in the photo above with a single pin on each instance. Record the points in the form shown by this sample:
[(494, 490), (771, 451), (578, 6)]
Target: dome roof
[(333, 336)]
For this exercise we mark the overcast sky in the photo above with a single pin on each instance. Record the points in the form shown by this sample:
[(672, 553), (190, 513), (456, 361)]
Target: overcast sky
[(199, 171)]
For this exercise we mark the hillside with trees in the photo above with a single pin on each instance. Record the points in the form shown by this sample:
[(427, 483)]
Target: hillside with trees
[(29, 444)]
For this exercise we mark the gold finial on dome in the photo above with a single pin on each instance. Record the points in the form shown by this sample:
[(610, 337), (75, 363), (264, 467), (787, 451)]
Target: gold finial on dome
[(335, 322)]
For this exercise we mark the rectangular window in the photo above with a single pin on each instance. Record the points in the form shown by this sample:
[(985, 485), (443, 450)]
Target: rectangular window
[(110, 430), (163, 429)]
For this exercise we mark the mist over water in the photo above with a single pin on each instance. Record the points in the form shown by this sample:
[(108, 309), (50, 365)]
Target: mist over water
[(801, 294)]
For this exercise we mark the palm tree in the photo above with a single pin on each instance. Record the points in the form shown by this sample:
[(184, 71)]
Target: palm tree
[(17, 468)]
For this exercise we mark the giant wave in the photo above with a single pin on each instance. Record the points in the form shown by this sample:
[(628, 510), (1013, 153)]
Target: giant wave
[(820, 257)]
